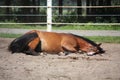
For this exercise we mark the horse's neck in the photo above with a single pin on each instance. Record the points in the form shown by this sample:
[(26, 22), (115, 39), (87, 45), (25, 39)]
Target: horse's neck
[(83, 43)]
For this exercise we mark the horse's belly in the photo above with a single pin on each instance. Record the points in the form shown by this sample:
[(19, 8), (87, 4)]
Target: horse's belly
[(56, 50), (51, 47)]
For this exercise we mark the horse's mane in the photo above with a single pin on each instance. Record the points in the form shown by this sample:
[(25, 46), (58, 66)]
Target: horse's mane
[(86, 39)]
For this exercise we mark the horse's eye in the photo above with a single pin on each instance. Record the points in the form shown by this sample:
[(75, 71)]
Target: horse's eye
[(93, 49)]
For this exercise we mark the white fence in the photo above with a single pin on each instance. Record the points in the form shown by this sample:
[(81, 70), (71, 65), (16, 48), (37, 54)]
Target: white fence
[(49, 14)]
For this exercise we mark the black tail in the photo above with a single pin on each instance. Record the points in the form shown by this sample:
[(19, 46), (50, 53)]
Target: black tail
[(21, 43)]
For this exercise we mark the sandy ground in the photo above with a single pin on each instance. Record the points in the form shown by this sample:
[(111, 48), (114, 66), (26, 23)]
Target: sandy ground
[(54, 67)]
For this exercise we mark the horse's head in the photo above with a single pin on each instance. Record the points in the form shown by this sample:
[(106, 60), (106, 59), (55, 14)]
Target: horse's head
[(93, 49)]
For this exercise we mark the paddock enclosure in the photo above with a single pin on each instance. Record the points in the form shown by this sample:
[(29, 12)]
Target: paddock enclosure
[(60, 12), (54, 67)]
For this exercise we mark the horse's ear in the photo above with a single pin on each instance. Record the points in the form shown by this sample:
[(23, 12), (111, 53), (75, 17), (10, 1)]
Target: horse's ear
[(99, 44)]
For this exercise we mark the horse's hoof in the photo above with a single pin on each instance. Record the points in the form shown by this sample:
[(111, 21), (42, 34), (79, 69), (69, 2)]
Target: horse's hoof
[(90, 53), (61, 54)]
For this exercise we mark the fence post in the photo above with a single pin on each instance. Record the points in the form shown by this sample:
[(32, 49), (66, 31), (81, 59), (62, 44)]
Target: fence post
[(49, 15)]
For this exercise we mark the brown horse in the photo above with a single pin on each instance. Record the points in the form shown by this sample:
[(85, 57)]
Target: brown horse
[(51, 42)]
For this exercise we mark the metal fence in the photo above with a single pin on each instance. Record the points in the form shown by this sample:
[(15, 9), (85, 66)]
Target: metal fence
[(49, 15)]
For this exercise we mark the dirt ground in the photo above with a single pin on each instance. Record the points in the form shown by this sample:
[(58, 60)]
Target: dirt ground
[(54, 67)]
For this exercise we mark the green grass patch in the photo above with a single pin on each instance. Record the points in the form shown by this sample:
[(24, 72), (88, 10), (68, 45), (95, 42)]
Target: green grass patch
[(6, 35), (62, 27), (105, 39), (21, 26), (87, 27)]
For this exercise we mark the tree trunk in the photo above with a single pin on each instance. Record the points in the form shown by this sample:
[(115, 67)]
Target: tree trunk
[(79, 10), (25, 11), (60, 9), (8, 10), (108, 3)]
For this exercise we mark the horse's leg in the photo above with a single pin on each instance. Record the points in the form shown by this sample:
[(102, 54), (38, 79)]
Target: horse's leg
[(31, 52), (68, 47), (32, 45)]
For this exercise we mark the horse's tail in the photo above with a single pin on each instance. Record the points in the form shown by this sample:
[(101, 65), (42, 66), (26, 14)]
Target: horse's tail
[(21, 43)]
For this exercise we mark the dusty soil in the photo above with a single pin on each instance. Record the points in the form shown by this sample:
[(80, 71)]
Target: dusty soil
[(54, 67)]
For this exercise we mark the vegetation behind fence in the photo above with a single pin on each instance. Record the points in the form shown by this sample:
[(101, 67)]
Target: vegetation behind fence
[(86, 12)]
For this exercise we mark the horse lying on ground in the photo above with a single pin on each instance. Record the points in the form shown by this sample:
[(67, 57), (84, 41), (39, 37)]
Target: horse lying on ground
[(39, 41)]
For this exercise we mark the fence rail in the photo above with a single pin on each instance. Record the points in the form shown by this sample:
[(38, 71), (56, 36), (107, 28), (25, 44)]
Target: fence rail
[(23, 6), (52, 15), (60, 6), (107, 15), (68, 23)]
